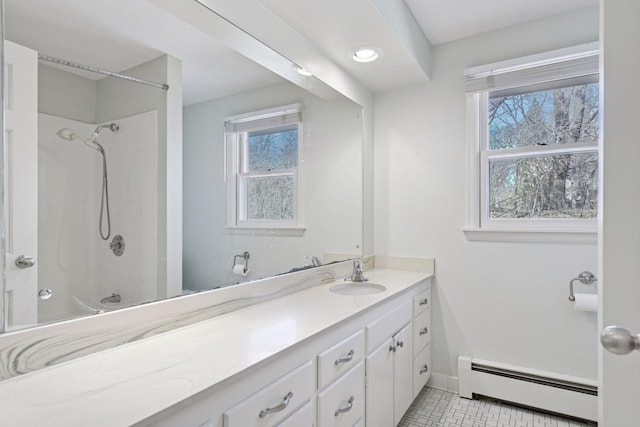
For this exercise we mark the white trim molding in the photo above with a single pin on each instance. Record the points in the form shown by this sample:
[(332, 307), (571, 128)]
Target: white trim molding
[(531, 235)]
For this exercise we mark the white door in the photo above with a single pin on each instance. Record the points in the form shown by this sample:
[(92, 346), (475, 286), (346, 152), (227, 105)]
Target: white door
[(21, 189), (619, 245)]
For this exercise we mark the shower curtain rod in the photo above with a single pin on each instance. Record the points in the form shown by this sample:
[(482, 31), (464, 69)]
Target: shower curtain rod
[(64, 62)]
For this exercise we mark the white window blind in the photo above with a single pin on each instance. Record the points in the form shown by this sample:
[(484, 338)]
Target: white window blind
[(261, 122), (532, 70)]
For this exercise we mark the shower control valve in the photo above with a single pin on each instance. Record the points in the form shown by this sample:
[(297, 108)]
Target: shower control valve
[(117, 245)]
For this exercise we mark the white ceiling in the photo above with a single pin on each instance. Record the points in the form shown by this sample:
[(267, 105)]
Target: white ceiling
[(119, 34), (447, 20)]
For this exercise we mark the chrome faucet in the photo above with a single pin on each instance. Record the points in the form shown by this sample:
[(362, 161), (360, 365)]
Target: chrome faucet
[(315, 261), (358, 274)]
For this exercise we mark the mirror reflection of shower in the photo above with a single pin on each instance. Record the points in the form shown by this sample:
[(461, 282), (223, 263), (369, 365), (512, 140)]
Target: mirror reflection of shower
[(70, 135)]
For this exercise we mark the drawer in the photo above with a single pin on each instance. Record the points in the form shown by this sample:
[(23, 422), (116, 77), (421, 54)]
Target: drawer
[(338, 359), (342, 403), (421, 331), (273, 403), (422, 302), (421, 370), (303, 417), (388, 325)]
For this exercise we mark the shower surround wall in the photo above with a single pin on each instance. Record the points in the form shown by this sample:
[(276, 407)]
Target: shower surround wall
[(144, 158), (74, 261)]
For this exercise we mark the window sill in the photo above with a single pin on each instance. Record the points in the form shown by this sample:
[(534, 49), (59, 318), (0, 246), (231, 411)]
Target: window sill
[(530, 235), (268, 231)]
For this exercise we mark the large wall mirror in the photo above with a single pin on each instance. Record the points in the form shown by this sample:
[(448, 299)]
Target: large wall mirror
[(120, 193)]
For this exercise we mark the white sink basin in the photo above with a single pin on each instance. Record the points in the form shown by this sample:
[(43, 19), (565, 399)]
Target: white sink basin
[(357, 288)]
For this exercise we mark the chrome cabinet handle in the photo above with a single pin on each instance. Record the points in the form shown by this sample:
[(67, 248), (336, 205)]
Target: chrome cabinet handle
[(349, 358), (619, 340), (424, 331), (392, 348), (424, 302), (280, 407), (424, 369), (400, 344), (24, 261), (346, 408)]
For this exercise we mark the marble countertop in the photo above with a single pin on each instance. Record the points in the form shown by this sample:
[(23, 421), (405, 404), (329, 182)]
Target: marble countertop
[(173, 366)]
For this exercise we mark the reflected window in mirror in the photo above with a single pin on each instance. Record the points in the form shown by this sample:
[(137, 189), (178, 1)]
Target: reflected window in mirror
[(263, 174)]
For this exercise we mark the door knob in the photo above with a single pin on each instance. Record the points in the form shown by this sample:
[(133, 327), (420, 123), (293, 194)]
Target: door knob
[(24, 261), (618, 340)]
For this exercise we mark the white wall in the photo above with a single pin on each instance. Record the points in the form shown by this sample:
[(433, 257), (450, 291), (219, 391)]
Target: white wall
[(505, 302), (332, 192), (65, 94)]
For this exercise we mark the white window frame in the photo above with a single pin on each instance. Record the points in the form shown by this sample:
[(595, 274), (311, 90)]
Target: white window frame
[(236, 161), (481, 81)]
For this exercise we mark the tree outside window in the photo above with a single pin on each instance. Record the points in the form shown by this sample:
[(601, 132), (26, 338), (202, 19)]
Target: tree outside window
[(262, 171), (541, 154)]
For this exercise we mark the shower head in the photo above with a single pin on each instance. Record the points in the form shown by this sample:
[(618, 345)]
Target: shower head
[(69, 135), (66, 133), (113, 127), (93, 139)]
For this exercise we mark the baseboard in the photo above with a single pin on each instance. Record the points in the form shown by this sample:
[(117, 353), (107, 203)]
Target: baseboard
[(443, 382)]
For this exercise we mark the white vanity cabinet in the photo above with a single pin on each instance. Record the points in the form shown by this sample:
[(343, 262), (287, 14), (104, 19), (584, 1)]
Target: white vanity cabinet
[(389, 367), (361, 372), (421, 339)]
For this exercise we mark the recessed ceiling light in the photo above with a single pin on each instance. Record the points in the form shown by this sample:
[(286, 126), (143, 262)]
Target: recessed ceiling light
[(366, 53), (302, 71)]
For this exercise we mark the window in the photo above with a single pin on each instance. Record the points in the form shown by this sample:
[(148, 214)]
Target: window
[(535, 145), (263, 151)]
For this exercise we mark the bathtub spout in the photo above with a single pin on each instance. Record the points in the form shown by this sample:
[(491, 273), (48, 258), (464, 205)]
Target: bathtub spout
[(113, 298)]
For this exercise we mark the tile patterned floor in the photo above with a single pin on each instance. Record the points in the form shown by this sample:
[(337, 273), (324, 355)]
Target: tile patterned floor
[(436, 408)]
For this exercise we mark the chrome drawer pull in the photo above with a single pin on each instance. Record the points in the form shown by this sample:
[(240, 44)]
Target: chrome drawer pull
[(349, 358), (424, 302), (280, 407), (424, 331), (346, 408), (425, 369)]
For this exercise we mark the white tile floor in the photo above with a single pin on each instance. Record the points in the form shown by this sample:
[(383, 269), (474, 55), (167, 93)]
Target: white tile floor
[(435, 408)]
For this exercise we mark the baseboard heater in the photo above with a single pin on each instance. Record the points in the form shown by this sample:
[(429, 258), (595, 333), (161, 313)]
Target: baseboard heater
[(575, 397)]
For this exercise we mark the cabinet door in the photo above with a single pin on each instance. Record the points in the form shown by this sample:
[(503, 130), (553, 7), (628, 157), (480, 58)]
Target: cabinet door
[(402, 372), (379, 390)]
